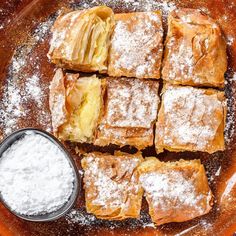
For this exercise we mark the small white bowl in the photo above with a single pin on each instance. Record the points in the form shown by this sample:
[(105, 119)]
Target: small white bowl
[(8, 141)]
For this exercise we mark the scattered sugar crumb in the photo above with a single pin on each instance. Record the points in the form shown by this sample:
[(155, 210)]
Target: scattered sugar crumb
[(33, 89), (80, 217), (218, 171), (230, 92), (22, 87), (230, 40), (81, 172), (129, 5), (205, 224), (151, 225)]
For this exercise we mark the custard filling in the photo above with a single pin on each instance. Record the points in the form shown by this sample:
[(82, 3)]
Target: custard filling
[(83, 103)]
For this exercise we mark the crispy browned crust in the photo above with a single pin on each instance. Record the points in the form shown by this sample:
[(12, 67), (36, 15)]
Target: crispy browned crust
[(172, 210), (111, 130), (66, 32), (213, 145), (57, 100), (124, 182), (133, 56), (195, 50)]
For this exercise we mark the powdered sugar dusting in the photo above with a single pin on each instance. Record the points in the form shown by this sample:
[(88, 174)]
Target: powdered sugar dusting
[(170, 191), (181, 60), (132, 103), (131, 5), (188, 57), (33, 89), (230, 40), (42, 30), (109, 182), (80, 217), (136, 46), (61, 33), (230, 91), (56, 41), (22, 87), (190, 116), (13, 108)]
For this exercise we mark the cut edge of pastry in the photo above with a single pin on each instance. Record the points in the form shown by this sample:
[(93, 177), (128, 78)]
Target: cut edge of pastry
[(139, 142), (85, 52), (80, 104)]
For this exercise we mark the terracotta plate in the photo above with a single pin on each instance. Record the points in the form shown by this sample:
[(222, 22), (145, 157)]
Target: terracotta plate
[(25, 73)]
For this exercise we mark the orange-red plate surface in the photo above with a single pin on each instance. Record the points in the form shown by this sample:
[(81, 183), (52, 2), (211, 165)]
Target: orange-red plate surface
[(25, 73)]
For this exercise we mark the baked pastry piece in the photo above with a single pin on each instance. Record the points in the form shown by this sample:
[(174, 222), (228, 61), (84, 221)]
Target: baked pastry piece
[(75, 105), (81, 39), (136, 45), (195, 51), (130, 111), (175, 191), (111, 185), (191, 119)]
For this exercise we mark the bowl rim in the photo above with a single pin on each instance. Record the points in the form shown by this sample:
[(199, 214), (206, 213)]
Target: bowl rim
[(16, 135)]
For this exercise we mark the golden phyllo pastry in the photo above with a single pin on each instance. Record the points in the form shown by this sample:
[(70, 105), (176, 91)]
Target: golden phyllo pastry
[(195, 51), (130, 111), (75, 105), (191, 119), (111, 185), (136, 45), (81, 39), (175, 191)]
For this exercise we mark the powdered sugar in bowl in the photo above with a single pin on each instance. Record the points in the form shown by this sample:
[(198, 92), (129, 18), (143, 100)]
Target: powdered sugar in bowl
[(38, 178)]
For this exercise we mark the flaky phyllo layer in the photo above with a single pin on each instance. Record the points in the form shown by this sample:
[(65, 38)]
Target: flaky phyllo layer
[(75, 105), (81, 39)]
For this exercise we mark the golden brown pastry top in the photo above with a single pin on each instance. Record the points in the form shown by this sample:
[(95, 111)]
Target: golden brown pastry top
[(195, 51), (136, 45), (191, 119), (111, 185), (131, 102), (176, 191), (130, 111), (81, 39)]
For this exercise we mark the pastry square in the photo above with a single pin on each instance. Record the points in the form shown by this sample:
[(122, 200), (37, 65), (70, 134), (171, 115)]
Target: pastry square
[(130, 111), (175, 191), (111, 185), (195, 50), (81, 39), (191, 119), (136, 45), (75, 103)]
